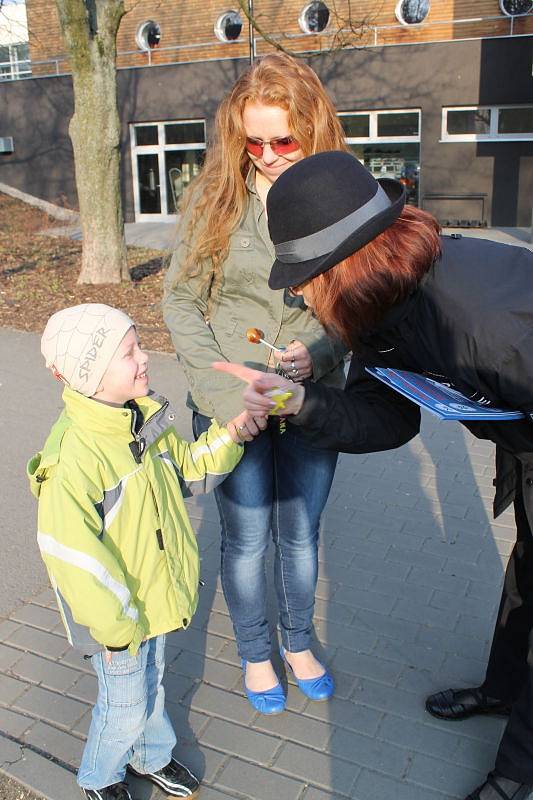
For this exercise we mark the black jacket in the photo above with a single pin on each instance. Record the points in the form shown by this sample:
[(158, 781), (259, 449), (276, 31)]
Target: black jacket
[(469, 324)]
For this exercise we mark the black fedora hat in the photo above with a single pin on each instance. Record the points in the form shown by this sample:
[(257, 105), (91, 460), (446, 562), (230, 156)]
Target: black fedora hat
[(323, 209)]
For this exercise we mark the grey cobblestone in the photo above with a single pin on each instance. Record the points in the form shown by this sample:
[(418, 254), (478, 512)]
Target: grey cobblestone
[(14, 723), (39, 642), (297, 728), (350, 715), (436, 774), (242, 742), (366, 751), (11, 689), (37, 616), (50, 706), (258, 783), (320, 769), (8, 657), (373, 785), (7, 628), (46, 673), (58, 743)]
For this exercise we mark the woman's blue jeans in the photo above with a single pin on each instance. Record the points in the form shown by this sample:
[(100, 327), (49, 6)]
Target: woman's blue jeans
[(279, 490), (129, 722)]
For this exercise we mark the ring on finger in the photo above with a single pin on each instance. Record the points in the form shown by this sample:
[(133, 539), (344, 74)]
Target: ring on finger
[(295, 371)]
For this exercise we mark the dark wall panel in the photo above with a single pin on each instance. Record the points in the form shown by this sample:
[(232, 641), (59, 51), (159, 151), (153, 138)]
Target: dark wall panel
[(36, 114)]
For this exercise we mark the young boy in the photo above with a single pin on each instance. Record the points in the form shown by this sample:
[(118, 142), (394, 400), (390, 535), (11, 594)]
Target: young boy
[(116, 539)]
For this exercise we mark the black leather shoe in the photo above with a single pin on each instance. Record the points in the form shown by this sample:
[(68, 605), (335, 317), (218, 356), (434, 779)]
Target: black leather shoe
[(462, 703), (496, 787), (174, 779), (117, 791)]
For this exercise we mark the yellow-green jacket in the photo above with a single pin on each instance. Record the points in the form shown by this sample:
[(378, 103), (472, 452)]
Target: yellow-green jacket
[(114, 532)]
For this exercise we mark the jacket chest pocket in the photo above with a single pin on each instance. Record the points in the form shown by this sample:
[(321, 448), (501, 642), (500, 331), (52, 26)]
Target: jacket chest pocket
[(242, 260)]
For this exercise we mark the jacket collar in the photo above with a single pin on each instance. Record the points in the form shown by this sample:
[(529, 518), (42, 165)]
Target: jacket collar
[(102, 418)]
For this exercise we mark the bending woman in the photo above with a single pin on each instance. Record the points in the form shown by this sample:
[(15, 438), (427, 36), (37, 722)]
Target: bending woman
[(458, 310), (216, 288)]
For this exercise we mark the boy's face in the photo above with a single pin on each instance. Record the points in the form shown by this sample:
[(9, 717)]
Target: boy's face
[(126, 376)]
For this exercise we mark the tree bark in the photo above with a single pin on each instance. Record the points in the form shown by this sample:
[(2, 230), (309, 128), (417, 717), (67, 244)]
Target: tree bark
[(90, 29)]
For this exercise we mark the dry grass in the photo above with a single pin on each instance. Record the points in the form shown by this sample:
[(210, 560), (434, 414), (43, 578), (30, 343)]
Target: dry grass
[(38, 276)]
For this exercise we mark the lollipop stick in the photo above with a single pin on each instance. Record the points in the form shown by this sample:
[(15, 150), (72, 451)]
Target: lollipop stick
[(272, 347)]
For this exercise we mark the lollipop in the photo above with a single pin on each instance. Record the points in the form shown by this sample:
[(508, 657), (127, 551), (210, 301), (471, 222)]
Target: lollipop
[(255, 336)]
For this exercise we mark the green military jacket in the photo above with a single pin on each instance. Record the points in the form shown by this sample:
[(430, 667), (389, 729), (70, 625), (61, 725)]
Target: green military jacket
[(113, 528), (204, 331)]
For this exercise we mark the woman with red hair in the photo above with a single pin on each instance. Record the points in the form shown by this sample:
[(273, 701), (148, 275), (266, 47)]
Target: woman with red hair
[(458, 310)]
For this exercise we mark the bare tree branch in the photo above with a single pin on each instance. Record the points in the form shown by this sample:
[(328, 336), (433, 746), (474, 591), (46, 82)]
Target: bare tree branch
[(348, 30)]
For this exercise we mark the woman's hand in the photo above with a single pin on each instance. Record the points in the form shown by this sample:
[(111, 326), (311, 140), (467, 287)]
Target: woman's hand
[(295, 361), (244, 427), (287, 397)]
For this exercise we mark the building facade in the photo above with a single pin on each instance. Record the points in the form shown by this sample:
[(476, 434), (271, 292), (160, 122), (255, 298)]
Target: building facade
[(438, 94)]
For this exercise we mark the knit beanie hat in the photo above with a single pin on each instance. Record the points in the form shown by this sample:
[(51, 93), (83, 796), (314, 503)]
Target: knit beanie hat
[(78, 343)]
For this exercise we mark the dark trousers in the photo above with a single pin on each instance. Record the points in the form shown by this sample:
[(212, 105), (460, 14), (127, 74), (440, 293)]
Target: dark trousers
[(510, 668)]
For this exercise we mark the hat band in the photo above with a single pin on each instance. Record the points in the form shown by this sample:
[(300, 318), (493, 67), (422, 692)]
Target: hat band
[(328, 239)]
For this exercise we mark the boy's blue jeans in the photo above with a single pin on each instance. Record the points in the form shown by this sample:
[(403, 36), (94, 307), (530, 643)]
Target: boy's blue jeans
[(129, 722)]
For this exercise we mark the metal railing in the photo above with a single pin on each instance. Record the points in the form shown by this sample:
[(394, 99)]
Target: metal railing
[(13, 70), (59, 64)]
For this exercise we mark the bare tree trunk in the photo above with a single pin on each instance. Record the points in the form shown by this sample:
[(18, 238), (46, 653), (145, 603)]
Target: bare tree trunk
[(90, 30)]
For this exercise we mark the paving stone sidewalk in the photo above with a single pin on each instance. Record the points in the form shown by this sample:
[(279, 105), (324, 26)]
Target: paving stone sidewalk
[(411, 567)]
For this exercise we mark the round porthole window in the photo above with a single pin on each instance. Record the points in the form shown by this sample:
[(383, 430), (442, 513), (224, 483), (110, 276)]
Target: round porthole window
[(148, 35), (228, 26), (412, 12), (314, 17), (515, 8)]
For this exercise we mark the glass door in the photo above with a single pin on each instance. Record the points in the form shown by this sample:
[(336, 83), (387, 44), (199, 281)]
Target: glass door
[(166, 156)]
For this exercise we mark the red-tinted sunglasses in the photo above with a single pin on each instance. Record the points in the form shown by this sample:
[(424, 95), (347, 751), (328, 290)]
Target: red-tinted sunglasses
[(280, 146)]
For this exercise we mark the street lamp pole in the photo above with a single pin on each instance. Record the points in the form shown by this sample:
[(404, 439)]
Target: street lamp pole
[(251, 37)]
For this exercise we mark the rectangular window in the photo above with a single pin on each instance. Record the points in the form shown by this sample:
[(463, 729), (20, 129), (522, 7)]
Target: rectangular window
[(146, 135), (515, 120), (166, 157), (398, 123), (387, 143), (14, 61), (475, 121), (185, 133), (355, 126), (487, 124)]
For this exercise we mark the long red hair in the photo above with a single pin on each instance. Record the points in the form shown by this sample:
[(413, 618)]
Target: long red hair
[(350, 298)]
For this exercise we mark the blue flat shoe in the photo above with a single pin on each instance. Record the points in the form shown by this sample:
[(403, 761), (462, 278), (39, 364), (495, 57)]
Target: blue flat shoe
[(318, 689), (270, 702)]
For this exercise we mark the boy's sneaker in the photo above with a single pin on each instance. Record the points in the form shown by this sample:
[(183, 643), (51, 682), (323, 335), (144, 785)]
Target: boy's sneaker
[(117, 791), (175, 779)]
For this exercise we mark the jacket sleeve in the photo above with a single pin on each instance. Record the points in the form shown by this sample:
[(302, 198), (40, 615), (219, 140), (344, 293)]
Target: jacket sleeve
[(185, 314), (205, 463), (88, 576), (365, 417), (326, 351)]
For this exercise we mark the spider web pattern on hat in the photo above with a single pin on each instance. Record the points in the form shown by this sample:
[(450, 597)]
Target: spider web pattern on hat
[(79, 342)]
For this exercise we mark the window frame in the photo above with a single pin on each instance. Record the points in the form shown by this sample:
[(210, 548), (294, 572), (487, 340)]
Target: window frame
[(217, 29), (158, 149), (398, 15), (301, 19), (512, 16), (145, 48), (493, 135)]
